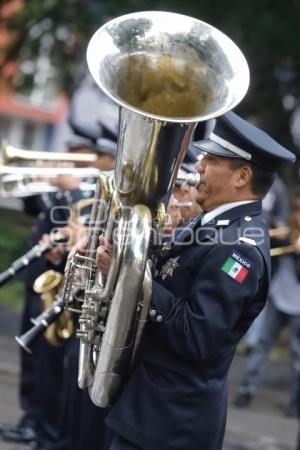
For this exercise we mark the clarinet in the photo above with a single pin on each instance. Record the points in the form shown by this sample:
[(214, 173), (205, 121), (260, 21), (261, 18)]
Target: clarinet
[(36, 252), (41, 323), (44, 320)]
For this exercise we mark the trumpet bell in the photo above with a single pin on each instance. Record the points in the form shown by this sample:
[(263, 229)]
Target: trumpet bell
[(168, 66)]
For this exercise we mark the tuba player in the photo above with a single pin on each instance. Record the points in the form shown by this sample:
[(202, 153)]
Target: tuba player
[(208, 288)]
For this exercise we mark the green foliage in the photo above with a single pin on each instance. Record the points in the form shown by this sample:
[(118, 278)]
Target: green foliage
[(59, 30), (265, 30), (12, 295), (14, 231)]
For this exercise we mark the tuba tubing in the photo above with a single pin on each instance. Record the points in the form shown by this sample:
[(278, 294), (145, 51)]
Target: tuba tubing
[(191, 179), (120, 332)]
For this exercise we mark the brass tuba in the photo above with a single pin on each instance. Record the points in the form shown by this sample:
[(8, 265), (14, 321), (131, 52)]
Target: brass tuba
[(167, 72)]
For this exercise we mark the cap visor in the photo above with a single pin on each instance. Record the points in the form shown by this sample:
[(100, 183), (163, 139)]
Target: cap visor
[(208, 146)]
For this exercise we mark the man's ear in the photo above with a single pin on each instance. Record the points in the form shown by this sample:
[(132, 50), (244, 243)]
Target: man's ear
[(244, 176)]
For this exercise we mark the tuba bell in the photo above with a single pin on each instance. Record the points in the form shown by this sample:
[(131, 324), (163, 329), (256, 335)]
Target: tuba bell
[(166, 72)]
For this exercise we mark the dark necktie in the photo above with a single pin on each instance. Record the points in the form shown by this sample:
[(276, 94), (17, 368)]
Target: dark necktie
[(184, 231)]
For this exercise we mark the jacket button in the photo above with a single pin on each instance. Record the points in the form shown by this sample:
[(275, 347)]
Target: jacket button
[(248, 218), (152, 313), (159, 318)]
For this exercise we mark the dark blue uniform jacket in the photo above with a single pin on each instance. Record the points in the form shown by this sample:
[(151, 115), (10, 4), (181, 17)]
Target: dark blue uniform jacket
[(208, 293), (54, 213)]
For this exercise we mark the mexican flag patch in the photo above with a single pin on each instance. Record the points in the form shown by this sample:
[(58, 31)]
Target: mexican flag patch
[(237, 267)]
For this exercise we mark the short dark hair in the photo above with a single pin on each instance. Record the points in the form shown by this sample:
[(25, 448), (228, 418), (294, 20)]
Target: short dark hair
[(262, 179)]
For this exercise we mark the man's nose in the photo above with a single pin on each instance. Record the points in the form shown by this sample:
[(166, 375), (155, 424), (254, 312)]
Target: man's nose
[(200, 166)]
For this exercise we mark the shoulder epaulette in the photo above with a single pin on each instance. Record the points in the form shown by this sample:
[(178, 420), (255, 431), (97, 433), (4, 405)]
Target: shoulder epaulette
[(247, 240)]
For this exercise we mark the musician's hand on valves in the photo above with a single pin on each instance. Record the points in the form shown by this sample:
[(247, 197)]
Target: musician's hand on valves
[(79, 247), (104, 255)]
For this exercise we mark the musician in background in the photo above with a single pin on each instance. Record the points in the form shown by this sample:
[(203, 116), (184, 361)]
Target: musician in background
[(206, 293), (173, 216), (84, 430), (40, 421), (104, 148), (283, 309), (37, 411), (275, 210)]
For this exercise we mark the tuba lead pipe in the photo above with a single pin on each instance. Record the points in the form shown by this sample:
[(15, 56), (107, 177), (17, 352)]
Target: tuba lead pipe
[(191, 179)]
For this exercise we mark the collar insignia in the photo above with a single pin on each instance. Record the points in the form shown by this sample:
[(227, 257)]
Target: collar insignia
[(222, 223), (168, 268)]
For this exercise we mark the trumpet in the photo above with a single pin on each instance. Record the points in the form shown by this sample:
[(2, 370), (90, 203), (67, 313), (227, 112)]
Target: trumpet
[(284, 250), (36, 181), (291, 247), (12, 154), (22, 180), (291, 232), (279, 231)]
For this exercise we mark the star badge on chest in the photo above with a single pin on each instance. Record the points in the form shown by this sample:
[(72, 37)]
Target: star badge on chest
[(169, 267), (167, 246)]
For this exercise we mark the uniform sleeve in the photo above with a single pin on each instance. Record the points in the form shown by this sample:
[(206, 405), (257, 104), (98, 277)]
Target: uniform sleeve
[(61, 212), (196, 325)]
